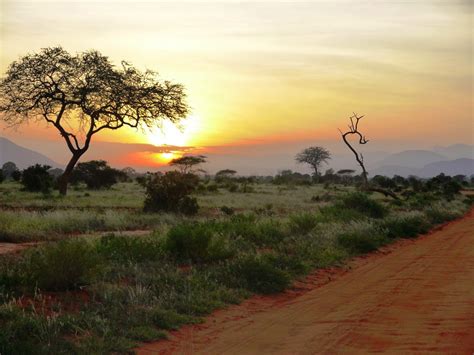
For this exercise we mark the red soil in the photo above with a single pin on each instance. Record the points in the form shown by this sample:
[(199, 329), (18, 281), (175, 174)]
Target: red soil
[(415, 296)]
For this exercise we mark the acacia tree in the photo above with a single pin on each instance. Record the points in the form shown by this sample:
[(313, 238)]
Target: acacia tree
[(314, 156), (83, 94), (187, 164)]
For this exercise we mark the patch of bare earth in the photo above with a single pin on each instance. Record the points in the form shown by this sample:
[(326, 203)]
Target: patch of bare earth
[(415, 296)]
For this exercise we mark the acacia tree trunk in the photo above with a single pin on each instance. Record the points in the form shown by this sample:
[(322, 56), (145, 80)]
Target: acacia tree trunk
[(64, 179)]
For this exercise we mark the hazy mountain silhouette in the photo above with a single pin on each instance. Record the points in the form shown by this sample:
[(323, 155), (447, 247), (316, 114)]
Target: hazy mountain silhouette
[(463, 166), (411, 158), (22, 157)]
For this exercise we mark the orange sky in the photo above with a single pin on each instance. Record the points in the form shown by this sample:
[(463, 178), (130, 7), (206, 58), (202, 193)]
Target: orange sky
[(268, 71)]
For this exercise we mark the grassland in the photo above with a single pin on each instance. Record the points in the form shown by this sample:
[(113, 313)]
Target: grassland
[(96, 293)]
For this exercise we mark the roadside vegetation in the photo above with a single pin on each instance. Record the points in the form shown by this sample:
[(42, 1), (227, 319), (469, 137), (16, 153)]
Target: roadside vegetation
[(108, 292)]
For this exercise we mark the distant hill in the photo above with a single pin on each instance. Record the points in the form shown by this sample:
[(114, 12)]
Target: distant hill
[(411, 158), (22, 157), (463, 166), (456, 151)]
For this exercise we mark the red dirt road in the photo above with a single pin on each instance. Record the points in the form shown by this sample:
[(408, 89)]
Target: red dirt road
[(414, 297)]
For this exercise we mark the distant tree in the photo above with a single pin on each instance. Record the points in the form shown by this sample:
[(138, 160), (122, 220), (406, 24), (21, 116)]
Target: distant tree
[(314, 156), (225, 174), (354, 131), (96, 174), (1, 176), (8, 169), (188, 163), (88, 92), (129, 173), (36, 178), (16, 175), (171, 193), (345, 172)]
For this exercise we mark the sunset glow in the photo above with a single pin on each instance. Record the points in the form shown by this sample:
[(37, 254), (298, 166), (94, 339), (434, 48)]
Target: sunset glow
[(269, 72)]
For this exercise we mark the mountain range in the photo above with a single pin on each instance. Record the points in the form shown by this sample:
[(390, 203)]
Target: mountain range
[(451, 160), (22, 157)]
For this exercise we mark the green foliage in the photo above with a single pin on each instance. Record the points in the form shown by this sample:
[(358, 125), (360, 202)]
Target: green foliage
[(126, 248), (96, 174), (363, 204), (170, 193), (37, 179), (197, 242), (303, 222), (405, 226), (258, 273), (361, 240), (64, 265)]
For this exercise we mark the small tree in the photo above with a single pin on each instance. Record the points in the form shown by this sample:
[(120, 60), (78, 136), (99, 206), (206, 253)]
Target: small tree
[(188, 163), (86, 92), (96, 174), (9, 169), (171, 193), (225, 175), (315, 157), (1, 176), (36, 178)]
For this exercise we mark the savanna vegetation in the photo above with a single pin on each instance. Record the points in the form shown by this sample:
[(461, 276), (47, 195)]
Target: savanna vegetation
[(93, 284), (124, 257)]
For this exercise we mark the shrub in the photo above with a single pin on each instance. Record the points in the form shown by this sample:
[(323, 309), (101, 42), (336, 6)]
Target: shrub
[(438, 215), (170, 192), (1, 176), (362, 203), (96, 174), (361, 239), (260, 274), (37, 179), (303, 223), (63, 265), (197, 242), (405, 226), (123, 248)]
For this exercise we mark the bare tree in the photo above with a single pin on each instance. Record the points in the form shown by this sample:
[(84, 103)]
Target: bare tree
[(354, 130), (83, 94), (314, 156)]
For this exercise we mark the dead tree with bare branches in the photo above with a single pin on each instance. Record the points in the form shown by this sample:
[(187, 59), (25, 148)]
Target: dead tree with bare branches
[(354, 131)]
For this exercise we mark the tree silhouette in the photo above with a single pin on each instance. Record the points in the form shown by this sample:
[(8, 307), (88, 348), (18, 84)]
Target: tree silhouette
[(83, 94), (187, 163), (354, 130), (314, 156)]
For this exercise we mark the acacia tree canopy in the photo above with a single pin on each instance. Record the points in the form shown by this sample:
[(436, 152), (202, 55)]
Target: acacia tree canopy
[(87, 92), (187, 163), (314, 156)]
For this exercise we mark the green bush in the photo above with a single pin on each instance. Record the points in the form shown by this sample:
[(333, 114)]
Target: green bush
[(438, 215), (64, 265), (36, 178), (362, 203), (125, 248), (197, 242), (361, 240), (408, 226), (303, 223), (170, 193), (260, 274)]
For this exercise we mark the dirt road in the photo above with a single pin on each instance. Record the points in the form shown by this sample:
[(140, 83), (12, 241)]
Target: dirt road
[(414, 297)]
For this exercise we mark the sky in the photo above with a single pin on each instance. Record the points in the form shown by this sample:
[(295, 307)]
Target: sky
[(268, 74)]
